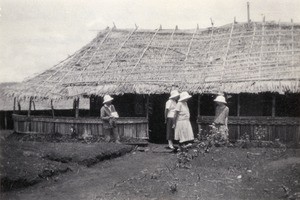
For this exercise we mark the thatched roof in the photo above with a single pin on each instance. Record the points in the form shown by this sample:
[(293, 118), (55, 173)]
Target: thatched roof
[(238, 57), (7, 104)]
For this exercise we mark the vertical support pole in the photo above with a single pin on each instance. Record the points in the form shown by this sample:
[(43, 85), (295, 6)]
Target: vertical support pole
[(147, 114), (199, 108), (90, 109), (14, 109), (76, 107), (273, 105), (52, 111), (19, 105), (238, 105), (199, 115), (33, 104), (29, 109), (225, 58), (261, 47), (5, 120), (147, 107), (238, 113), (28, 123), (248, 12), (52, 108)]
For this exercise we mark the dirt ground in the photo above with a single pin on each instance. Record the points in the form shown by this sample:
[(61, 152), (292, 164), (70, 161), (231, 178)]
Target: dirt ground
[(25, 163), (154, 173)]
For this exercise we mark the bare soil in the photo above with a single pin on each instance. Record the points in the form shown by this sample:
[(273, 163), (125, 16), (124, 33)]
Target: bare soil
[(153, 173), (25, 163)]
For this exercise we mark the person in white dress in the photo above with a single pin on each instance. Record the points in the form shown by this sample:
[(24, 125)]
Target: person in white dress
[(183, 128)]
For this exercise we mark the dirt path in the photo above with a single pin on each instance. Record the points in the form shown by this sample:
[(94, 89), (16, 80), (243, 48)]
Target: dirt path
[(96, 181)]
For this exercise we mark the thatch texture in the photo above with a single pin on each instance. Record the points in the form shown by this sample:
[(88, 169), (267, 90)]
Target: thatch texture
[(239, 57), (7, 103)]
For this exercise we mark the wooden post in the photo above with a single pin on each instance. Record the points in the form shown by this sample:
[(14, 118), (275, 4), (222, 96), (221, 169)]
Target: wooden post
[(238, 105), (199, 114), (76, 102), (199, 103), (225, 58), (90, 109), (273, 105), (5, 120), (238, 114), (19, 105), (52, 108), (248, 12), (147, 114), (147, 107), (29, 109), (261, 46), (292, 30), (33, 104), (14, 109)]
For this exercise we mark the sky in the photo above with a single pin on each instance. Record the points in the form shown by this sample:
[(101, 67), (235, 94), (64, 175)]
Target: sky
[(37, 34)]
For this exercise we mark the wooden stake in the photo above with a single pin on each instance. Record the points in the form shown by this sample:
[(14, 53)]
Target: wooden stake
[(190, 45), (273, 105), (278, 49), (212, 22), (52, 108), (76, 107), (19, 105), (199, 109), (248, 12), (147, 107), (33, 103), (238, 114), (292, 30), (5, 120), (238, 105), (90, 110), (225, 57), (14, 109), (199, 114), (261, 47), (147, 113), (29, 109)]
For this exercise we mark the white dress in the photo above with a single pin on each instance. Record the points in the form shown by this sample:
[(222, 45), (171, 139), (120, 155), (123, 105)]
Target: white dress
[(183, 129)]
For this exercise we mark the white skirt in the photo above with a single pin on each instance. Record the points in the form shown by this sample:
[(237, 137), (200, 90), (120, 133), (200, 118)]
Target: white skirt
[(184, 131)]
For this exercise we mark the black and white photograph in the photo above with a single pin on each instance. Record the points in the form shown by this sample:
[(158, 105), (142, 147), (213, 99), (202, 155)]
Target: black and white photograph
[(149, 99)]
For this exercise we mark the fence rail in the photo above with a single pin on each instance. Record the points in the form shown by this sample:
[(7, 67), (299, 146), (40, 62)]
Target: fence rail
[(286, 129)]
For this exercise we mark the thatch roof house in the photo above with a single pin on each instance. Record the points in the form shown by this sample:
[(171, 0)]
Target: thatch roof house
[(254, 57)]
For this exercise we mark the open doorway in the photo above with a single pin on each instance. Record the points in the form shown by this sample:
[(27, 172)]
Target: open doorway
[(157, 127)]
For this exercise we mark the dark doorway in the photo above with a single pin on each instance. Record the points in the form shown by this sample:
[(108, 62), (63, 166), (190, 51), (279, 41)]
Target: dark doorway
[(157, 128)]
